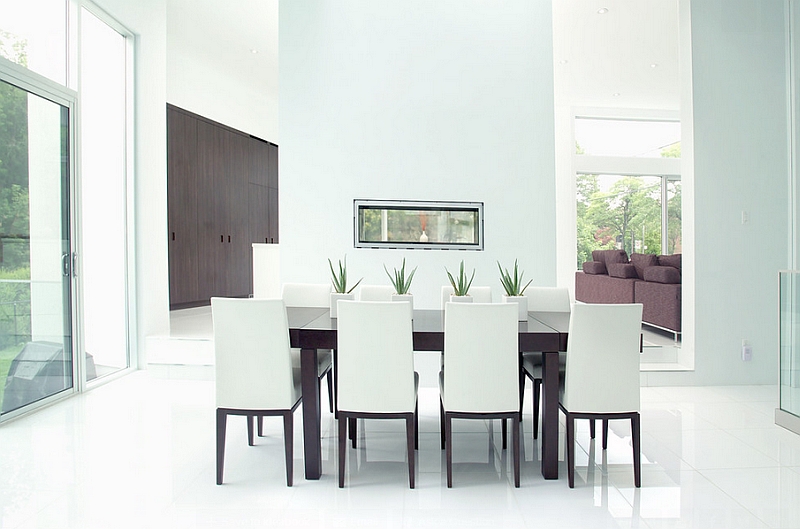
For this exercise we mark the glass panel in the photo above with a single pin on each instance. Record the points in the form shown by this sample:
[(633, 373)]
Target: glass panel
[(35, 319), (616, 137), (33, 34), (790, 343), (103, 202), (621, 212), (674, 233), (419, 224)]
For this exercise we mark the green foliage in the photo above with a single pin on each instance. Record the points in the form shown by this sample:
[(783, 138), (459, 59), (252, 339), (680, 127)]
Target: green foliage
[(339, 279), (15, 307), (460, 285), (512, 283), (400, 282)]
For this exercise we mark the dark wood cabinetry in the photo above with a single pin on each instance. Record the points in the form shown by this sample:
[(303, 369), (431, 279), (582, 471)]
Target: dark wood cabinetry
[(223, 196)]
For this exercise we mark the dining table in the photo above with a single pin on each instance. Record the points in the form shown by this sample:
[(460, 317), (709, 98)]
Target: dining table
[(313, 329)]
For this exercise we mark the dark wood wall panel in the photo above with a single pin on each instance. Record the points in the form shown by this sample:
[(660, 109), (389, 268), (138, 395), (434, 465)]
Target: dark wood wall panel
[(222, 185)]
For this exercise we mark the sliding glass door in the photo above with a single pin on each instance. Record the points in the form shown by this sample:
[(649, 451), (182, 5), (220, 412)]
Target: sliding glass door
[(36, 345)]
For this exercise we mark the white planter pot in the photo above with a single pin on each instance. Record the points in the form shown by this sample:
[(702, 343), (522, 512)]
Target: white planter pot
[(405, 297), (335, 297), (460, 299), (522, 304)]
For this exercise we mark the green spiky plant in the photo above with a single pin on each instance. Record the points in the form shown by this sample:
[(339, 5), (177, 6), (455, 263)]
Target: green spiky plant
[(460, 284), (400, 282), (512, 283), (339, 279)]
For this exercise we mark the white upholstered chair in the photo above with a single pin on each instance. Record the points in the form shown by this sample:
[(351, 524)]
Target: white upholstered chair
[(602, 373), (480, 378), (315, 295), (376, 293), (376, 371), (479, 294), (253, 365), (542, 299)]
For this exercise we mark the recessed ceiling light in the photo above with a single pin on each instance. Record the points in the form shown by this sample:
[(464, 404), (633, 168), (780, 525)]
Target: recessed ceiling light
[(615, 94), (602, 11), (654, 65), (253, 51), (563, 61)]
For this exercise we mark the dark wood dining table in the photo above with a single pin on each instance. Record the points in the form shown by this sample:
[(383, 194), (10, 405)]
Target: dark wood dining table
[(312, 329)]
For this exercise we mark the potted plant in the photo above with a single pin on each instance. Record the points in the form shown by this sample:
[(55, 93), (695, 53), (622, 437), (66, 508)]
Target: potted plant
[(339, 281), (401, 283), (512, 284), (460, 284)]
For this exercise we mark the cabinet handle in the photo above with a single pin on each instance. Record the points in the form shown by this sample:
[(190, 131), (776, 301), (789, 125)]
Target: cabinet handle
[(221, 238), (229, 238), (173, 235), (265, 240)]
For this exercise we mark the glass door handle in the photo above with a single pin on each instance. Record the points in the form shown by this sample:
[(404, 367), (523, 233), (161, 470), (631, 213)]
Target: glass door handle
[(65, 264)]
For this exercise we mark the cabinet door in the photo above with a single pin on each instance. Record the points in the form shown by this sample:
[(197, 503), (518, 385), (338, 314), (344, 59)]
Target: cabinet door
[(258, 208), (182, 206), (239, 263), (259, 162), (273, 214), (272, 166)]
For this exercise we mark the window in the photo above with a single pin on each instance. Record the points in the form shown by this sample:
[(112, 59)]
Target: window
[(402, 224)]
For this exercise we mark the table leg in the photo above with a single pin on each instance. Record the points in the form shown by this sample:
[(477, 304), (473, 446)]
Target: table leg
[(312, 446), (549, 431)]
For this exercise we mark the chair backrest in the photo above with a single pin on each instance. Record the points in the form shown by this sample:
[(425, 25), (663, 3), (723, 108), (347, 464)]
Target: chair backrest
[(481, 357), (376, 293), (375, 366), (307, 295), (253, 362), (479, 294), (548, 299), (602, 374)]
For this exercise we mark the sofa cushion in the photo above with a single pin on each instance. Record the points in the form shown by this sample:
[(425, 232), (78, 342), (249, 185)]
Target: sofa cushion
[(622, 270), (594, 267), (642, 261), (670, 260), (610, 256), (662, 274)]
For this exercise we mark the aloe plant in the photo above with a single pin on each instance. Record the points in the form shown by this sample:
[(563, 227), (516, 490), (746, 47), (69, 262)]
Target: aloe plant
[(339, 279), (460, 284), (512, 284), (400, 282)]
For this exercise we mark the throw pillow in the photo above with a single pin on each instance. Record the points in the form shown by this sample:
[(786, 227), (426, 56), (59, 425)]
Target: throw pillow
[(642, 261), (610, 256), (670, 260), (594, 268), (622, 270), (662, 274)]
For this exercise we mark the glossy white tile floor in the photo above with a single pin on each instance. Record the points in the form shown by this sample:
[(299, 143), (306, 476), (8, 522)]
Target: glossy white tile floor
[(139, 452)]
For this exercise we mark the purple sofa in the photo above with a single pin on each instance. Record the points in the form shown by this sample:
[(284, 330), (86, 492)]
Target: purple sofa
[(652, 280)]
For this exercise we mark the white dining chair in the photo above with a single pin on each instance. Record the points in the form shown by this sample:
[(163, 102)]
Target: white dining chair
[(540, 299), (601, 379), (253, 368), (480, 378), (376, 293), (312, 295), (376, 371)]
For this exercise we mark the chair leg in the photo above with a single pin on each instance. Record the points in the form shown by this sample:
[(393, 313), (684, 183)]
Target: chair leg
[(353, 425), (342, 422), (261, 426), (441, 422), (637, 456), (288, 441), (250, 430), (416, 425), (448, 422), (571, 450), (411, 435), (521, 391), (537, 390), (591, 428), (504, 428), (605, 434), (330, 390), (222, 422), (515, 445)]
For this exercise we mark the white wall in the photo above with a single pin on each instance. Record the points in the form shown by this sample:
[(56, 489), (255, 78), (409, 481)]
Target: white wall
[(147, 19), (447, 100), (740, 164)]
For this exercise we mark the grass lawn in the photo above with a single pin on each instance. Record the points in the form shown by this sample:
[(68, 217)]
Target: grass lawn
[(6, 356)]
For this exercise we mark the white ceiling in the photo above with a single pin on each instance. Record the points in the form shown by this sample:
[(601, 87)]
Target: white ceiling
[(605, 54)]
